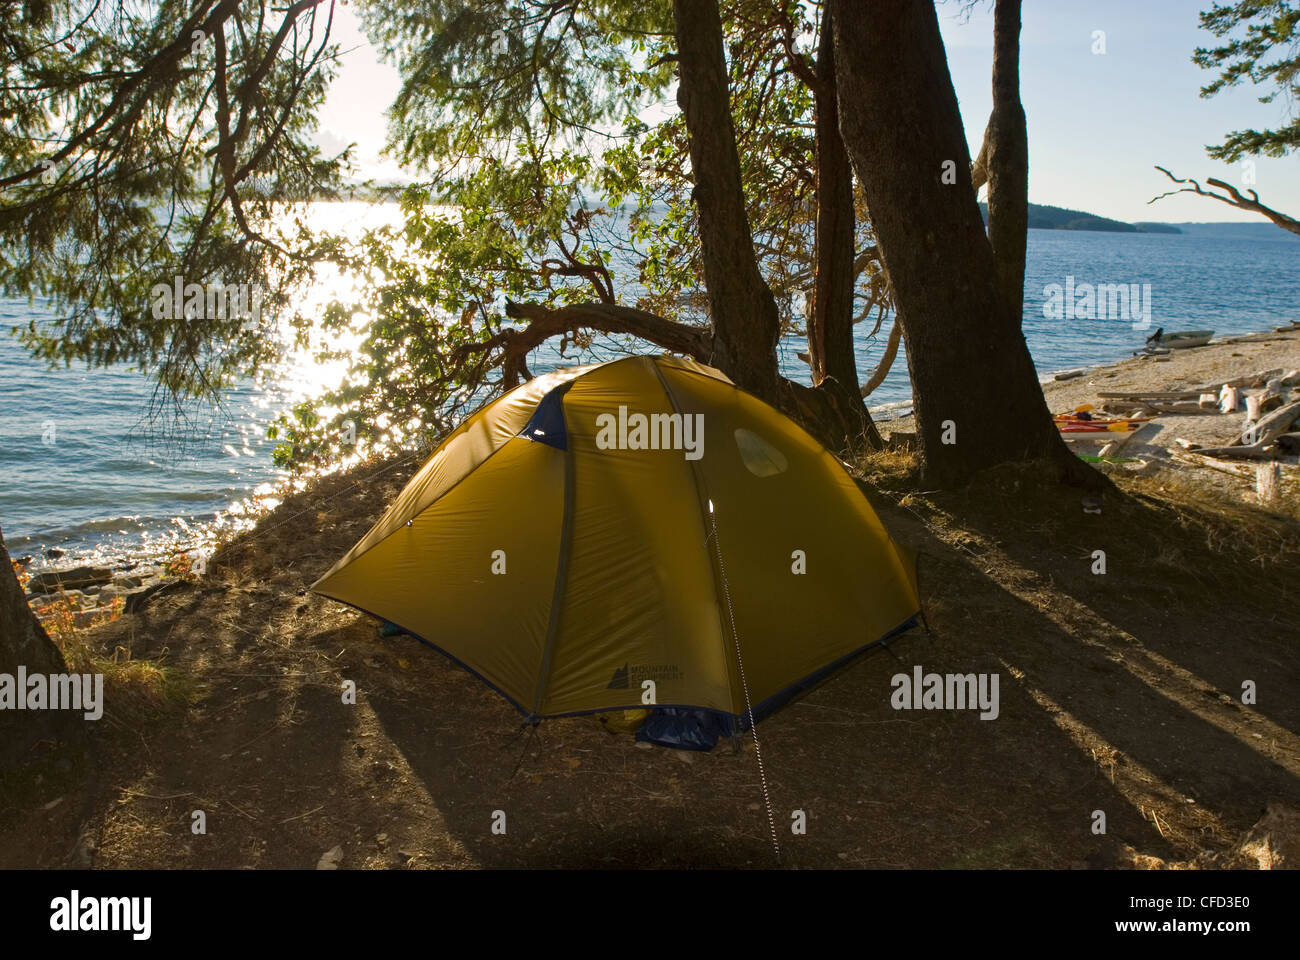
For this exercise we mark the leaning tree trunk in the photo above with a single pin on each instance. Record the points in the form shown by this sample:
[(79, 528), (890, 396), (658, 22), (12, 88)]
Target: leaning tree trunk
[(977, 398), (745, 319), (1007, 161), (24, 642), (830, 326)]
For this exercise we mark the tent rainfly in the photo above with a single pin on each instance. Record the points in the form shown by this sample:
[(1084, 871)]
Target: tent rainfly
[(630, 533)]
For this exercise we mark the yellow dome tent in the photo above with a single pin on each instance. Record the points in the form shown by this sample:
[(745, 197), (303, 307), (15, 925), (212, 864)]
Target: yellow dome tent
[(640, 531)]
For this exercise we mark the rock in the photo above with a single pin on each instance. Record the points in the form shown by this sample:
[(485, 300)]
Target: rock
[(331, 859), (122, 587), (88, 618), (74, 598), (76, 578), (54, 552)]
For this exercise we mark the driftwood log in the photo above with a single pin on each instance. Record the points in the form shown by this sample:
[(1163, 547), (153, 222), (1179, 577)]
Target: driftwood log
[(1268, 481), (1274, 396), (1266, 432), (1196, 459), (1150, 395), (1113, 448), (1149, 407), (1270, 427), (1251, 451), (1288, 378)]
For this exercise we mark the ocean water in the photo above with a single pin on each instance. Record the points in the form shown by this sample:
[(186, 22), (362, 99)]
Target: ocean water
[(84, 472)]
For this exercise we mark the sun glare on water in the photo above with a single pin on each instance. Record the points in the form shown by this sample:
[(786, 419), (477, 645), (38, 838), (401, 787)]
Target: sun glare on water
[(304, 374)]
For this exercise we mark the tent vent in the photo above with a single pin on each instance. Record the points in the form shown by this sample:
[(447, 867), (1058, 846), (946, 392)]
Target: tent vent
[(761, 458)]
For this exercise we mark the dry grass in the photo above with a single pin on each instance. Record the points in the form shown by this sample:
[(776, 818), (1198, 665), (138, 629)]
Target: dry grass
[(1225, 516), (1228, 520), (135, 689), (892, 469)]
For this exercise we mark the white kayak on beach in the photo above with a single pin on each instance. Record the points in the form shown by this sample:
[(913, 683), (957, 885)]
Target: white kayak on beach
[(1179, 339)]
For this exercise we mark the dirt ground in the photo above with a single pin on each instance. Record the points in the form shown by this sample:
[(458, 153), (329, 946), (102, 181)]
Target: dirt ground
[(1120, 692)]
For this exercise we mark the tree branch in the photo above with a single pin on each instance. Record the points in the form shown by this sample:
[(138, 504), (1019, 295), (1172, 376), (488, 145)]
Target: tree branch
[(148, 75), (1233, 199), (547, 322), (886, 360)]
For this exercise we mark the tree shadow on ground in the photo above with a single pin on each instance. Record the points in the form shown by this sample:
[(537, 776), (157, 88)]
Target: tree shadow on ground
[(1076, 733), (1158, 646), (1102, 708)]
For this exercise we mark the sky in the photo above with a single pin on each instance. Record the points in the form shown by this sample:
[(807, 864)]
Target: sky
[(1098, 122)]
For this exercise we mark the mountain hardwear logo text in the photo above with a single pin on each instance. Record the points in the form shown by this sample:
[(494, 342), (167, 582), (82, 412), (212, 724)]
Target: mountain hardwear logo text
[(632, 676)]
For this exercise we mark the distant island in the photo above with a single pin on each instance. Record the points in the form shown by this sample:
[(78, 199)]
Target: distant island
[(1042, 217)]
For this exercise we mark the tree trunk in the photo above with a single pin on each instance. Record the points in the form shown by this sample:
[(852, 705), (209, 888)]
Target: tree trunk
[(745, 319), (1008, 159), (24, 642), (846, 421), (830, 330), (976, 394), (746, 323)]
